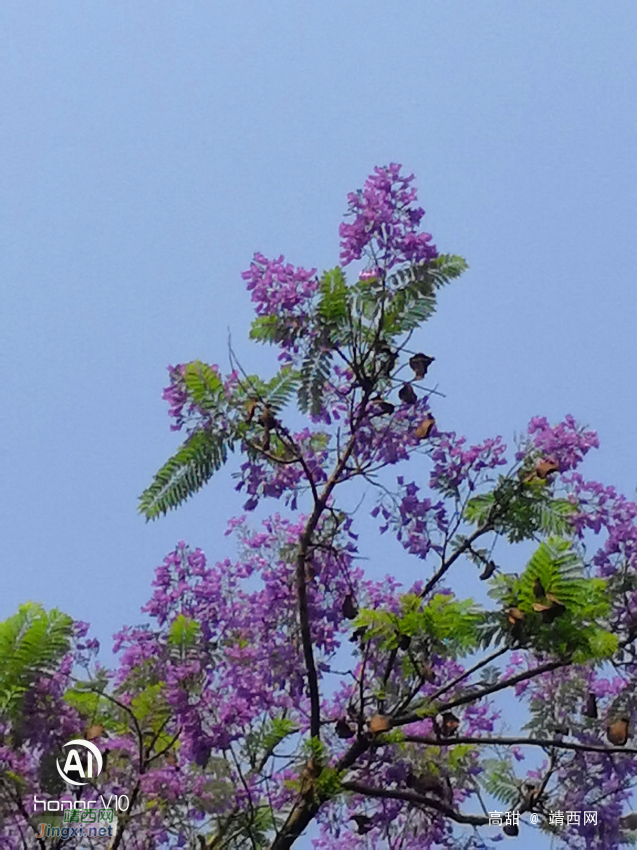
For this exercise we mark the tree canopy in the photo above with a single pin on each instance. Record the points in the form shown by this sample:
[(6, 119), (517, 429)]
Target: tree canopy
[(286, 692)]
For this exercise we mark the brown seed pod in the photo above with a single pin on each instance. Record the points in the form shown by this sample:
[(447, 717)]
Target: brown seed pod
[(617, 731), (590, 709), (546, 467), (343, 729), (420, 363), (449, 724), (378, 723), (94, 731), (386, 407), (363, 823), (404, 642), (489, 568), (349, 607), (426, 427), (407, 394)]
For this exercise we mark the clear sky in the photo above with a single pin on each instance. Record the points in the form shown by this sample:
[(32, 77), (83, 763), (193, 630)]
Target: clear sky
[(149, 148)]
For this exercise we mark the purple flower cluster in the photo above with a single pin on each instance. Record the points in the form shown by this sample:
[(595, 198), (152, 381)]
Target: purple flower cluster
[(455, 465), (421, 524), (567, 442), (279, 288), (262, 479), (385, 222)]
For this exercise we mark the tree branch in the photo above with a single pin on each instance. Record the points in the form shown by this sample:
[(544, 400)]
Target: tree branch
[(474, 696), (508, 742), (417, 799)]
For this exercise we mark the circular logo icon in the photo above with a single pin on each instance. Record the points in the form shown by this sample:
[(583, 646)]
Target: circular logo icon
[(76, 767)]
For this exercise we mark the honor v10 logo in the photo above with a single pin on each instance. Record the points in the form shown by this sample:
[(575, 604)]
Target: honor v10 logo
[(80, 775)]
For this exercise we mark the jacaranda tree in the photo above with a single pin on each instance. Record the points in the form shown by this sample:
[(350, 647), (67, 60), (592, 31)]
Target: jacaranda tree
[(286, 693)]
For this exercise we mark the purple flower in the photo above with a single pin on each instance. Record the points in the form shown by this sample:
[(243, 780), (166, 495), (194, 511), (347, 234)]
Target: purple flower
[(385, 222)]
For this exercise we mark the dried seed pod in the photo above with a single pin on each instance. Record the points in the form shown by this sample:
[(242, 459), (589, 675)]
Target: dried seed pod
[(449, 724), (358, 634), (250, 408), (94, 731), (617, 731), (427, 783), (489, 568), (404, 642), (407, 394), (363, 823), (546, 467), (343, 729), (555, 610), (511, 829), (349, 607), (629, 821), (420, 363), (378, 723), (426, 427), (590, 709)]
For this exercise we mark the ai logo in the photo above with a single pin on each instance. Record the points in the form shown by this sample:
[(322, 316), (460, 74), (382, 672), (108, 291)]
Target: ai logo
[(73, 763)]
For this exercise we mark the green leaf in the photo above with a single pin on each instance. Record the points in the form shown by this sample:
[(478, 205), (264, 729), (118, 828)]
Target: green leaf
[(203, 453), (277, 730), (499, 780), (332, 308), (602, 644), (478, 509), (414, 292), (278, 392), (204, 384), (273, 329), (559, 570), (32, 643), (315, 371), (183, 632), (147, 701)]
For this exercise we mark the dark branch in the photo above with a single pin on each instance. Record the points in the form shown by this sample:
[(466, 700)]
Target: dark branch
[(417, 799)]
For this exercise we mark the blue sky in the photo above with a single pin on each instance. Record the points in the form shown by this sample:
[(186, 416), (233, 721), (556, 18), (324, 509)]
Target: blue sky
[(149, 148)]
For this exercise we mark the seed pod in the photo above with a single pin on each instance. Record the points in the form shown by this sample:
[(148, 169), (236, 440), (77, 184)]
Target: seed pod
[(343, 729), (349, 607), (449, 724), (546, 467), (555, 610), (420, 363), (378, 723), (427, 783), (590, 709), (629, 821), (250, 408), (358, 634), (404, 642), (386, 407), (407, 394), (94, 731), (617, 731), (363, 823), (489, 569), (425, 428), (511, 829)]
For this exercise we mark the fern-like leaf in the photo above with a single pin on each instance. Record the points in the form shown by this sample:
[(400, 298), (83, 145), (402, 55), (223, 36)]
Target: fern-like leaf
[(203, 453), (314, 373), (204, 384), (279, 391), (333, 305), (414, 292), (32, 643)]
